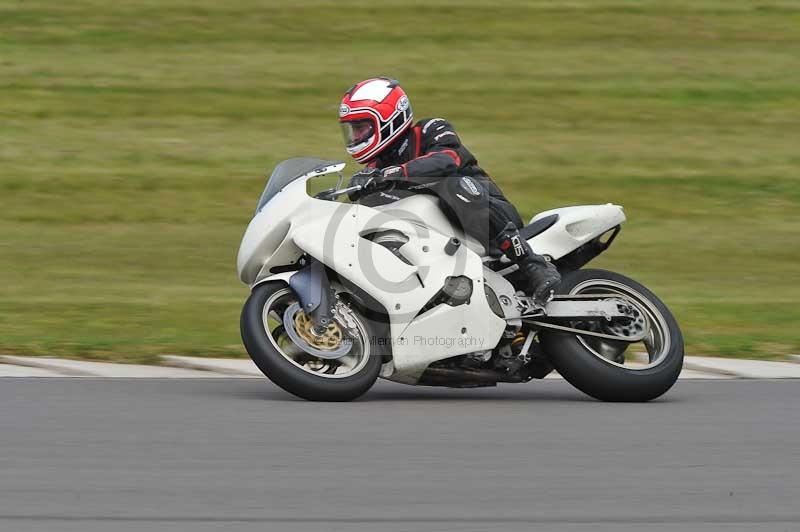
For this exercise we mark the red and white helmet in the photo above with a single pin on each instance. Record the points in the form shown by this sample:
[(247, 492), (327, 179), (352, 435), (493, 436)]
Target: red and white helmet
[(373, 114)]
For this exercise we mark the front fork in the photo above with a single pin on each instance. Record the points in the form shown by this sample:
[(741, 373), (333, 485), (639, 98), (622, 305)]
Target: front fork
[(313, 289)]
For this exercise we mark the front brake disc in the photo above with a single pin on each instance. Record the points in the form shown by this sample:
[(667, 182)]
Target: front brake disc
[(332, 344)]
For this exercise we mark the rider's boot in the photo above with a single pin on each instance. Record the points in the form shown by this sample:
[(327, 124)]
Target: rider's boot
[(542, 276)]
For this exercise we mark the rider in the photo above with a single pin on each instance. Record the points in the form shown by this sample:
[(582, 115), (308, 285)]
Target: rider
[(428, 156)]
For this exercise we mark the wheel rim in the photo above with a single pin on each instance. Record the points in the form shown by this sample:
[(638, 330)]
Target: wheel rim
[(345, 366), (649, 352)]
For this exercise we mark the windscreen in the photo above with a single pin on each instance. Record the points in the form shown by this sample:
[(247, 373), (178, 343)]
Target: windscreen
[(288, 171)]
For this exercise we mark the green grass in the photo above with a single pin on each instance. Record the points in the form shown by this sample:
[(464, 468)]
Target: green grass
[(135, 136)]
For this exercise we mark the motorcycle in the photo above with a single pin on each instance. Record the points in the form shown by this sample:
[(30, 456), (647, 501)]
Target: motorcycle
[(342, 293)]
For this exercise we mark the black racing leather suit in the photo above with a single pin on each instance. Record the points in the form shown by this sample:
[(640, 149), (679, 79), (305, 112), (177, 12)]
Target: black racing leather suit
[(430, 159)]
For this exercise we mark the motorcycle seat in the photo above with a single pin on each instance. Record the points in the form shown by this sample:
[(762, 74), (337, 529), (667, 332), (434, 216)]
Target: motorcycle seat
[(539, 226)]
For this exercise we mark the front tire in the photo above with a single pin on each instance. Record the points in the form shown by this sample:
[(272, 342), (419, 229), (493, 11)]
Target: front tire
[(278, 356), (603, 369)]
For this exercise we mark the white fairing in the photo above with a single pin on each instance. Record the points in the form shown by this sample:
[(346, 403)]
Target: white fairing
[(575, 227), (293, 223), (424, 209)]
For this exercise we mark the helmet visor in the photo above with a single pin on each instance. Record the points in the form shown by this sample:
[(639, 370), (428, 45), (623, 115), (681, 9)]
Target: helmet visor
[(357, 134)]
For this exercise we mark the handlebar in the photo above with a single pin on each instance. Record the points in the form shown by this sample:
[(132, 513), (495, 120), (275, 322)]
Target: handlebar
[(335, 193), (354, 191)]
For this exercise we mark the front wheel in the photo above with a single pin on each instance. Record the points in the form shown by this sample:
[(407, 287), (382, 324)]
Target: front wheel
[(613, 370), (278, 336)]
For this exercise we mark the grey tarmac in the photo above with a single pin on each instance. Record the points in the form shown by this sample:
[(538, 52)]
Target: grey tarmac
[(97, 454)]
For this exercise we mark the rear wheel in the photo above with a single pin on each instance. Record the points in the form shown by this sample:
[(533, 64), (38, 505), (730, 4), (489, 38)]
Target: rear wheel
[(613, 370), (340, 365)]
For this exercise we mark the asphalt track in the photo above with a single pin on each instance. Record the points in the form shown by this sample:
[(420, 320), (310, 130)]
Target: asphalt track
[(118, 454)]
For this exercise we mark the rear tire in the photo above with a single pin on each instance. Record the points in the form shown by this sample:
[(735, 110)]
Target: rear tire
[(285, 371), (605, 378)]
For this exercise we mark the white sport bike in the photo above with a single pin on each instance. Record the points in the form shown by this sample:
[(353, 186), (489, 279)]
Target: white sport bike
[(342, 293)]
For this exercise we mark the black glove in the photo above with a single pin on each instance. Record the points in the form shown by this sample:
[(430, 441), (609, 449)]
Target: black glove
[(372, 180), (366, 178)]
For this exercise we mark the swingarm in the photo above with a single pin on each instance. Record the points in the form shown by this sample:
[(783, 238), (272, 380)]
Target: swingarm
[(610, 317)]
